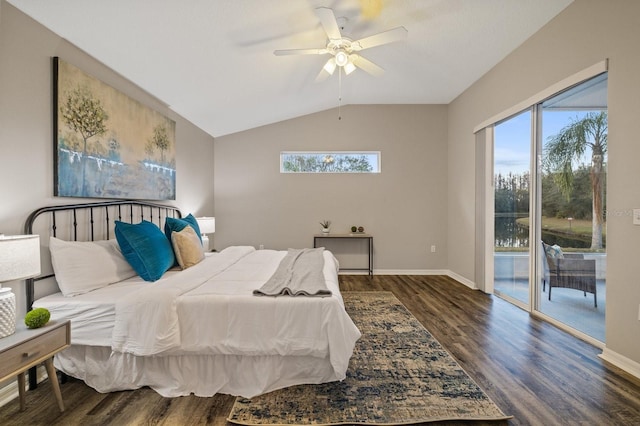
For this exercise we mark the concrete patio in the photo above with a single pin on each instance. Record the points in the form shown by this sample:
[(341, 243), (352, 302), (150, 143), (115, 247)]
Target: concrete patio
[(511, 270)]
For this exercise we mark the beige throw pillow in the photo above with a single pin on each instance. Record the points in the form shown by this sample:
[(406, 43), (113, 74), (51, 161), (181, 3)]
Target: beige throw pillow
[(187, 247)]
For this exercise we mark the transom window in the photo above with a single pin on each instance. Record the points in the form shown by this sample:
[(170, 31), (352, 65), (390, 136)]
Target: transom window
[(330, 162)]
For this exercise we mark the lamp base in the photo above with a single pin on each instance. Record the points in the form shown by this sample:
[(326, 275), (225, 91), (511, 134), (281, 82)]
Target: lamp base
[(205, 243), (7, 312)]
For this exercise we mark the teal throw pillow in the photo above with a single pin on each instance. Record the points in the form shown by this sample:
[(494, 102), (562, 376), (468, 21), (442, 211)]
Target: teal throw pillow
[(146, 249), (172, 224)]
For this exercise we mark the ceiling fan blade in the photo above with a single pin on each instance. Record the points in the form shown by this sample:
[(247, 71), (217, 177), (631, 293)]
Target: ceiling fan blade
[(322, 76), (329, 23), (300, 52), (395, 34), (366, 65)]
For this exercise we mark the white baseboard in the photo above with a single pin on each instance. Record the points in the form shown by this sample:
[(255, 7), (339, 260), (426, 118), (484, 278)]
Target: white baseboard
[(397, 272), (446, 272), (410, 272), (622, 362), (9, 392), (463, 280)]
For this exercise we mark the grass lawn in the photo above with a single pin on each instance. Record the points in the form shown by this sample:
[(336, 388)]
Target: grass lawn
[(554, 224)]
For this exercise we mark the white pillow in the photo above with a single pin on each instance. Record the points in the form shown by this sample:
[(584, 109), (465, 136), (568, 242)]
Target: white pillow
[(84, 266)]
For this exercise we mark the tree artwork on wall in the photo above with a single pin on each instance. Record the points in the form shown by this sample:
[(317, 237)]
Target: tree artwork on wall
[(108, 145)]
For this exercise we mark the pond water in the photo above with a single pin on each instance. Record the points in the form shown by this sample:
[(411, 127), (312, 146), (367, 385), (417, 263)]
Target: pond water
[(509, 234)]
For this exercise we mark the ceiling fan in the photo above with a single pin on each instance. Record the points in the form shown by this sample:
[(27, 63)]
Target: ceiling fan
[(344, 51)]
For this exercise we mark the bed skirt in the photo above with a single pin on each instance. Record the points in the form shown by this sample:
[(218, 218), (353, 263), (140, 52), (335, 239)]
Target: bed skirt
[(201, 375)]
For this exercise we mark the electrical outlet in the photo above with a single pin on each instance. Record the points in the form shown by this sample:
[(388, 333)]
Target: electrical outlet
[(433, 249), (636, 216), (261, 247)]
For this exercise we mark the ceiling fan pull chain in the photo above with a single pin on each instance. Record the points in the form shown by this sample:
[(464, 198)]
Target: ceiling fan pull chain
[(339, 93)]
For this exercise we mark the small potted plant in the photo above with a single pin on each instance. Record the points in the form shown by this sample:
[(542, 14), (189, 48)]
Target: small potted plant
[(325, 226)]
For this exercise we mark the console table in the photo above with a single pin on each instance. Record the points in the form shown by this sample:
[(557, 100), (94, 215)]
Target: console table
[(356, 235)]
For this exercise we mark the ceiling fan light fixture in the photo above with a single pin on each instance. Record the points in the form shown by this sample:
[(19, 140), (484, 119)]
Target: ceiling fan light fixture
[(342, 58), (330, 66), (343, 50), (349, 68)]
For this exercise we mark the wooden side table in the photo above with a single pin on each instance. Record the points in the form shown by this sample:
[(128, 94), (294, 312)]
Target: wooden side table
[(27, 348)]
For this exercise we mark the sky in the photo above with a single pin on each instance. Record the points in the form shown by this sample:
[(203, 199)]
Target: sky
[(512, 138)]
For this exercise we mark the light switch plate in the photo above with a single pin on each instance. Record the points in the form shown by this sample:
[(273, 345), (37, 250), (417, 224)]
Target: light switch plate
[(636, 216)]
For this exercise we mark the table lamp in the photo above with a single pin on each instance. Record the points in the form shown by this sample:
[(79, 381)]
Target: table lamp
[(19, 260), (207, 225)]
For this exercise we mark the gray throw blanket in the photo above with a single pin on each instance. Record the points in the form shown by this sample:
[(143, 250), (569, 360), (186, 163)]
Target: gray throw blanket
[(299, 274)]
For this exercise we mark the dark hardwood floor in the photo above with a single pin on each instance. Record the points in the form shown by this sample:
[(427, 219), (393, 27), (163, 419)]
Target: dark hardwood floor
[(531, 370)]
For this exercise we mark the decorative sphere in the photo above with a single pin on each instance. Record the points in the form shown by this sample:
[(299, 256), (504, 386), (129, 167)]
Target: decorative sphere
[(37, 318), (354, 229), (360, 229)]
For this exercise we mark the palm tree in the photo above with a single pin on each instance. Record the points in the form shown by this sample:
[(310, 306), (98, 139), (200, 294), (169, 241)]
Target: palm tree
[(563, 151)]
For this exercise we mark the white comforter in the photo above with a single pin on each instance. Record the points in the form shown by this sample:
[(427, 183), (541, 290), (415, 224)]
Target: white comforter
[(147, 322), (210, 309), (205, 330)]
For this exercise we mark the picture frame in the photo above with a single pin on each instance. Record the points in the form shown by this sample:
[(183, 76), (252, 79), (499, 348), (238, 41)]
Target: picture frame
[(106, 144)]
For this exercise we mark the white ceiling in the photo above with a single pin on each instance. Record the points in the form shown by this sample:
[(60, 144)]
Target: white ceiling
[(212, 61)]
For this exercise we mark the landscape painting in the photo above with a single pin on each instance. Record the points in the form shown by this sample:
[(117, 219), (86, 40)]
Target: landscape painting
[(108, 145)]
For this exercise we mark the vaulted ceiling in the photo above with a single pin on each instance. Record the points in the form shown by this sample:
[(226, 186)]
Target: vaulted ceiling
[(212, 61)]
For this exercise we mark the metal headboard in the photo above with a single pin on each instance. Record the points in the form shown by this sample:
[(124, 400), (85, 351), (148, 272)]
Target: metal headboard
[(107, 212)]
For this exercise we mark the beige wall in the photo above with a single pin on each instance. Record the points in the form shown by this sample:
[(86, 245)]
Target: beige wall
[(404, 207), (425, 194), (587, 32), (26, 135)]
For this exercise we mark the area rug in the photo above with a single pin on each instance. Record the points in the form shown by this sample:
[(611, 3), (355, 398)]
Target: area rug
[(398, 374)]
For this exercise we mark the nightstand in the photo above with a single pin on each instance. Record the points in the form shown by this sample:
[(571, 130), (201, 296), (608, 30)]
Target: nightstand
[(27, 348)]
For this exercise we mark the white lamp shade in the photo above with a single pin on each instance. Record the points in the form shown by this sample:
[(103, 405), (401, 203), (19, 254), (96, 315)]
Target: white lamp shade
[(349, 68), (19, 257), (207, 225), (330, 66)]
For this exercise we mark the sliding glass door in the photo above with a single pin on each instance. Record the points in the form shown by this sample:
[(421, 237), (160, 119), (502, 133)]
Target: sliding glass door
[(512, 160), (549, 180), (572, 175)]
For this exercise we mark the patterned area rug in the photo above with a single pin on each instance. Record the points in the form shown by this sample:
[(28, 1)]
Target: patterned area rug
[(398, 374)]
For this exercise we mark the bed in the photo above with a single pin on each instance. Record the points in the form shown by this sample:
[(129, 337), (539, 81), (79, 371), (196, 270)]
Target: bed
[(200, 330)]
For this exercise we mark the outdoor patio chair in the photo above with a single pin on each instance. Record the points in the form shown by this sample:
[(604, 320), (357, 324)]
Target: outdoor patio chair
[(569, 270)]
